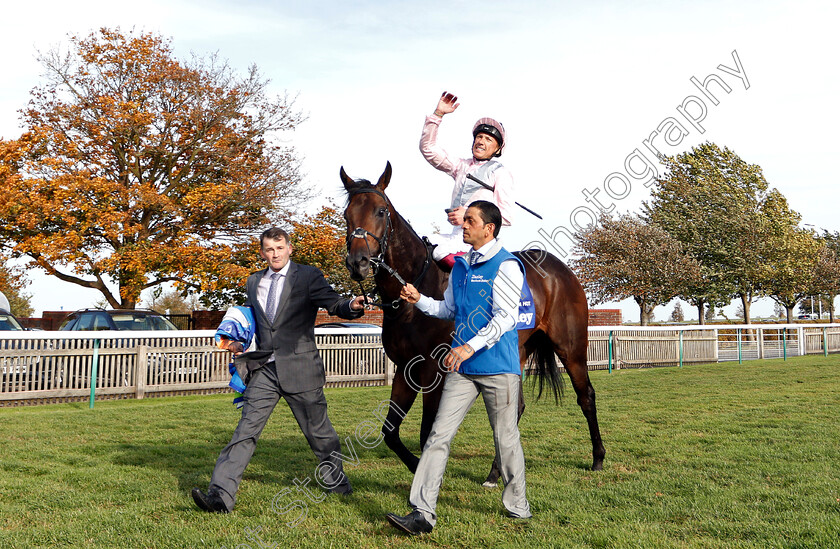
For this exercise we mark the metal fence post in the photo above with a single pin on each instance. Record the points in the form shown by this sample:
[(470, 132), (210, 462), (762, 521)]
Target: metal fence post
[(681, 348), (94, 371), (610, 352), (784, 344), (825, 343)]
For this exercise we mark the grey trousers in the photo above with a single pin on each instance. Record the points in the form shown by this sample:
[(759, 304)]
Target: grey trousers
[(260, 398), (501, 398)]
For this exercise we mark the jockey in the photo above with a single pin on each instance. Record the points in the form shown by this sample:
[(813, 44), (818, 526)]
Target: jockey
[(488, 144)]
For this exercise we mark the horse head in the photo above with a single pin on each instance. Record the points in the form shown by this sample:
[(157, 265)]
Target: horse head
[(368, 215)]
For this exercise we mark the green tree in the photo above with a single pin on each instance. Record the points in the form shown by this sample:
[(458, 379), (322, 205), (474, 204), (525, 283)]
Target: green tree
[(815, 304), (790, 254), (710, 314), (710, 200), (137, 169), (677, 314), (626, 257), (825, 279)]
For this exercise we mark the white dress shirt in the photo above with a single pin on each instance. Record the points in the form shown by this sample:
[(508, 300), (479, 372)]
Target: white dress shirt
[(263, 287), (265, 284), (507, 290)]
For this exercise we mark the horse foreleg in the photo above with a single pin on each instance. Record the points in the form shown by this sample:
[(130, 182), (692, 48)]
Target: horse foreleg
[(402, 397), (495, 471)]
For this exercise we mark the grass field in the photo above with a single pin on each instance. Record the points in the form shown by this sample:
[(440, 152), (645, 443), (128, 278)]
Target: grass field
[(720, 455)]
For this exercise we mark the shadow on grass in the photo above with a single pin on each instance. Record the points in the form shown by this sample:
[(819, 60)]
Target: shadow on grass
[(277, 464), (280, 464)]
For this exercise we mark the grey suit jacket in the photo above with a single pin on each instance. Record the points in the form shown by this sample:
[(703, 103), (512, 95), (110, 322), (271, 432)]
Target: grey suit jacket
[(291, 337)]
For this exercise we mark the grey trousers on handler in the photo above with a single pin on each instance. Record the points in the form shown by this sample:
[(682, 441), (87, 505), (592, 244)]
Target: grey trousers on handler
[(501, 398), (260, 398)]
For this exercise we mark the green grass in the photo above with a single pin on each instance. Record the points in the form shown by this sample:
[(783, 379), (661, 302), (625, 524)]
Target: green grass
[(711, 456)]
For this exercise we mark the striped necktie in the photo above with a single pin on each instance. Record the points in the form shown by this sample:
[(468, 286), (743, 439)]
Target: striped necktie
[(475, 255), (271, 300)]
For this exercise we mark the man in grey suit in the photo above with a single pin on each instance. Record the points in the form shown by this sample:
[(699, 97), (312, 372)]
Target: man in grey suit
[(285, 297)]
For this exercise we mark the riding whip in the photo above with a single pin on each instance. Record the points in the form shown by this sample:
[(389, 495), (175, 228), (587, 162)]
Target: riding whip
[(488, 187)]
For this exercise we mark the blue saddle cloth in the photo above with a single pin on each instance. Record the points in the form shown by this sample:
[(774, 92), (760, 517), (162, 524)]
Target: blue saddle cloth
[(527, 311)]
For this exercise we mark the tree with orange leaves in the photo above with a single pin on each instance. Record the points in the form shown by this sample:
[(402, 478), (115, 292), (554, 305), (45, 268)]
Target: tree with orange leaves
[(136, 169), (319, 240)]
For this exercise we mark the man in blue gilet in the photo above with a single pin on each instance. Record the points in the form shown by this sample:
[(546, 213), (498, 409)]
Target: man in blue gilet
[(483, 299)]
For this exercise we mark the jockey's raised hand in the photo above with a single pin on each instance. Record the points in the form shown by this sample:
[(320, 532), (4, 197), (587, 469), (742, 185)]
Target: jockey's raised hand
[(447, 104)]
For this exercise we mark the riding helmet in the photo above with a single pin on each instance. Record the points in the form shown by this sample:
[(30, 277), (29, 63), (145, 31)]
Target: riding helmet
[(492, 128)]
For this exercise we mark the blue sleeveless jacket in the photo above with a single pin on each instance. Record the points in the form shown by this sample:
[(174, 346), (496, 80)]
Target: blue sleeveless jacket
[(472, 290)]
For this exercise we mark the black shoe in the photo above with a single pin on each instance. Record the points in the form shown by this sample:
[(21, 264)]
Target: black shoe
[(344, 490), (413, 523), (210, 502)]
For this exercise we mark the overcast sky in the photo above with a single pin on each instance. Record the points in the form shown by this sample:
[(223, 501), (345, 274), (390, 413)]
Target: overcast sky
[(579, 86)]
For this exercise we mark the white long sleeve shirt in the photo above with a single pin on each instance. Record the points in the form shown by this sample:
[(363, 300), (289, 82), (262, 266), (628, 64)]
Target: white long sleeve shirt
[(505, 303)]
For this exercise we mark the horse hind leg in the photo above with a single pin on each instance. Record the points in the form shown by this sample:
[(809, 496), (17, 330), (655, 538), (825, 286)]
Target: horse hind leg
[(495, 471), (578, 372)]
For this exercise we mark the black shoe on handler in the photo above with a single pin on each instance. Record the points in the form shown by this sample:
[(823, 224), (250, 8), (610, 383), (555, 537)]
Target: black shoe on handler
[(413, 523), (210, 502)]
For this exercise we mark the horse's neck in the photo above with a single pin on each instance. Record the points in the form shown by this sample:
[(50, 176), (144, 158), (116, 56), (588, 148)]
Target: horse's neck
[(406, 254)]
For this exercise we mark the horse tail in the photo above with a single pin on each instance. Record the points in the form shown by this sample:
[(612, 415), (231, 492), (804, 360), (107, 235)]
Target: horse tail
[(544, 366)]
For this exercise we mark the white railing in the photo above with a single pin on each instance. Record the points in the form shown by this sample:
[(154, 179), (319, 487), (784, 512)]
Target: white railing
[(51, 366), (633, 346), (54, 366)]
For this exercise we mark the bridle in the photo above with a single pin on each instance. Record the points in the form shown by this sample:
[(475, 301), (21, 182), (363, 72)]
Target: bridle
[(379, 260), (360, 232)]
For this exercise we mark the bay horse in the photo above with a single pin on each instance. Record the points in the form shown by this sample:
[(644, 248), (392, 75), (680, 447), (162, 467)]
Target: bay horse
[(379, 239)]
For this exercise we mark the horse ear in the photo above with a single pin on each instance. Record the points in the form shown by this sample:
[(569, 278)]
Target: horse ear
[(345, 179), (385, 178)]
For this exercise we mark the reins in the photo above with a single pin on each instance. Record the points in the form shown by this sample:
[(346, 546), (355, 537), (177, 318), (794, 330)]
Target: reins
[(379, 260)]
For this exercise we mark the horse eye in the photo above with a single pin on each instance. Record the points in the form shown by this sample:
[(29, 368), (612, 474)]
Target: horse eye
[(382, 212)]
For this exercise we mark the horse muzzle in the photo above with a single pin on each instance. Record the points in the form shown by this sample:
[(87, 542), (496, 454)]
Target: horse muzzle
[(359, 266)]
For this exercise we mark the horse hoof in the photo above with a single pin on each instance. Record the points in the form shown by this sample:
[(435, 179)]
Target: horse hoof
[(488, 484)]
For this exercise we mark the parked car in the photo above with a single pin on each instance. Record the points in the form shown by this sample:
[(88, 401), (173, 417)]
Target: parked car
[(163, 367), (24, 360), (808, 316), (7, 319), (8, 322), (116, 319)]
